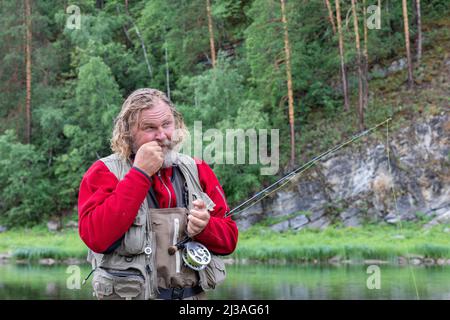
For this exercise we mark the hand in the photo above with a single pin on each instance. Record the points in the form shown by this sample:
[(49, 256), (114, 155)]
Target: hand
[(198, 218), (149, 158)]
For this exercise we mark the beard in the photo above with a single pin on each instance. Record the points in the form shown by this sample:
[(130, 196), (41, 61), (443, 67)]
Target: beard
[(170, 149), (170, 153)]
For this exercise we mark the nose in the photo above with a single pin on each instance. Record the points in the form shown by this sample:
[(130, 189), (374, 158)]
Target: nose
[(161, 134)]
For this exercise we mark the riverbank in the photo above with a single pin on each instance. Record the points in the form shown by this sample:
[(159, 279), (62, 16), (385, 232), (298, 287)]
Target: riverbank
[(375, 244)]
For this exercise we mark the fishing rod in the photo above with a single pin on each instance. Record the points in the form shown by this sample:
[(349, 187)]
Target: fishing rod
[(284, 180), (196, 256)]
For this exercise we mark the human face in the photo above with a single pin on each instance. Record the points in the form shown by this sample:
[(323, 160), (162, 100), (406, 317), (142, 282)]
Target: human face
[(154, 124)]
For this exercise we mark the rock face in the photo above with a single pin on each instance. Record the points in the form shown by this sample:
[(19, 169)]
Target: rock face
[(379, 72), (358, 183)]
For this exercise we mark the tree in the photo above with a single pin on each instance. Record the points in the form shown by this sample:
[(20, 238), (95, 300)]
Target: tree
[(28, 70), (25, 189), (407, 43), (138, 33), (219, 97), (330, 15), (12, 72), (342, 56), (287, 50), (88, 127), (366, 58), (211, 33), (166, 57), (419, 32), (360, 72)]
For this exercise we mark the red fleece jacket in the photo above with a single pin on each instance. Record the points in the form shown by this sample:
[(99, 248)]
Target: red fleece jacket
[(107, 207)]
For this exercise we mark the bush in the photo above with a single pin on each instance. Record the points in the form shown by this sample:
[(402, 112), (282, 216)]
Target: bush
[(25, 192)]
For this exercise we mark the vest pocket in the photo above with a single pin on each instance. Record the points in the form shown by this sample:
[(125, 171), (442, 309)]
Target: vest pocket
[(214, 273), (118, 284), (134, 240), (169, 225)]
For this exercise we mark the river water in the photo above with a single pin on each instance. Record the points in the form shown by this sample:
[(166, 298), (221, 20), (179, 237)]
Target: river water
[(252, 282)]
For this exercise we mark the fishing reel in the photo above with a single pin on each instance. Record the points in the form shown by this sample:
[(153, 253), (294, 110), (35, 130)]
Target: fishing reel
[(195, 255)]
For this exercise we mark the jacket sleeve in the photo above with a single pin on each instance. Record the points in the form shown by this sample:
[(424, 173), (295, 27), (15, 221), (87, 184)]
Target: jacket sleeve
[(107, 207), (221, 234)]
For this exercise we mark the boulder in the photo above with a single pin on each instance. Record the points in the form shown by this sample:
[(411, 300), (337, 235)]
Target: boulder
[(441, 219), (281, 226), (71, 225), (397, 65), (47, 261), (54, 225), (298, 222)]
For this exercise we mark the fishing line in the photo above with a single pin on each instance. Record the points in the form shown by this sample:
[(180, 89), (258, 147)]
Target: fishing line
[(289, 177), (397, 211)]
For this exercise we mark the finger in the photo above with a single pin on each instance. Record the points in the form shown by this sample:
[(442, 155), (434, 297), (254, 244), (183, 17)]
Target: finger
[(196, 221), (201, 214), (191, 232), (153, 143), (199, 204), (195, 228)]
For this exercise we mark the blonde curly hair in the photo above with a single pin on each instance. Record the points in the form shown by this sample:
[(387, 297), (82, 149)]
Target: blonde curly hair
[(137, 101)]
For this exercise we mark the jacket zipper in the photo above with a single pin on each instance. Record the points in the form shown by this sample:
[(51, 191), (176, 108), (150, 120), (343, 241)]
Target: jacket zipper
[(168, 190)]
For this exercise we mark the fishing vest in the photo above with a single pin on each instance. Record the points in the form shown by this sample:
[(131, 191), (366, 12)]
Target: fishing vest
[(131, 270)]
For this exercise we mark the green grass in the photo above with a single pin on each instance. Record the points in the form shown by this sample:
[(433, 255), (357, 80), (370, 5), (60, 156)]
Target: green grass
[(38, 243), (384, 242), (369, 242)]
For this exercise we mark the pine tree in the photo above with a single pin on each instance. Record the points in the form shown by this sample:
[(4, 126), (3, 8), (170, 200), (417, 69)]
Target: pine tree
[(359, 63), (28, 49), (211, 33), (407, 44), (287, 50), (342, 56), (366, 58), (12, 72), (419, 32), (138, 33), (330, 15)]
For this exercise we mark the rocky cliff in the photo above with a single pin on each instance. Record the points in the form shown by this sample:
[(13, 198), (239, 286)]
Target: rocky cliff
[(356, 185)]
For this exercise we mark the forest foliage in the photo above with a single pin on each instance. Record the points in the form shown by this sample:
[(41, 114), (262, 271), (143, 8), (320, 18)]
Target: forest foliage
[(80, 77)]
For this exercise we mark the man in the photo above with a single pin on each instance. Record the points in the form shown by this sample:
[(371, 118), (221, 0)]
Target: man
[(146, 197)]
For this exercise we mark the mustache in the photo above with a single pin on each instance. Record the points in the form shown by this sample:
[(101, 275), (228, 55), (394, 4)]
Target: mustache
[(166, 143)]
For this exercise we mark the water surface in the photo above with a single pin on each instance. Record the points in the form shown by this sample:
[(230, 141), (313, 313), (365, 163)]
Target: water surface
[(252, 282)]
